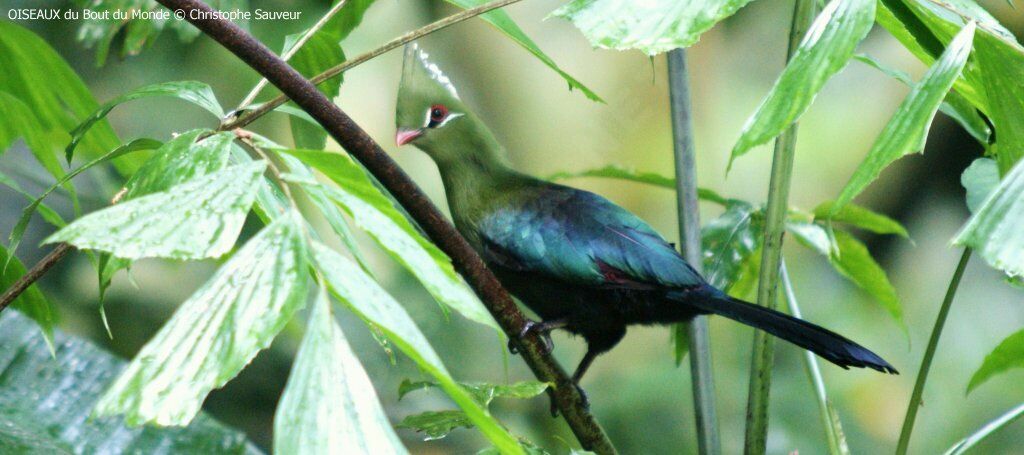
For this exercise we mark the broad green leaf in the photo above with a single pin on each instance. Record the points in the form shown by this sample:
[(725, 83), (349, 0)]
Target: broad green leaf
[(1002, 66), (217, 331), (500, 19), (826, 48), (729, 241), (955, 105), (26, 214), (436, 424), (908, 128), (20, 122), (197, 219), (483, 392), (963, 445), (994, 231), (329, 405), (814, 236), (45, 402), (373, 305), (1007, 356), (319, 54), (197, 93), (653, 26), (980, 179), (373, 212), (651, 178), (861, 217), (35, 74), (853, 261), (32, 302), (141, 26)]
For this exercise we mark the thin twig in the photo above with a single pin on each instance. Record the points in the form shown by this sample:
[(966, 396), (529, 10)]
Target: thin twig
[(708, 441), (290, 52), (361, 146), (44, 265), (249, 116), (768, 282), (929, 354)]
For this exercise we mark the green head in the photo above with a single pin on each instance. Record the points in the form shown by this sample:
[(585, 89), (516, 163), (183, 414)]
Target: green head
[(431, 116)]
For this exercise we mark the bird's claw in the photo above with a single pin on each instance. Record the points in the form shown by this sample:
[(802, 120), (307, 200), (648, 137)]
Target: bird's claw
[(530, 326)]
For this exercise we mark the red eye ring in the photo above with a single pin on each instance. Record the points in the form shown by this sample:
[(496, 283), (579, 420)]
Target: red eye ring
[(438, 112)]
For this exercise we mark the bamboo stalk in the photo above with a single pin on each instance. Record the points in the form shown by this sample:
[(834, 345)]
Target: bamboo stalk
[(929, 354), (768, 282), (708, 440)]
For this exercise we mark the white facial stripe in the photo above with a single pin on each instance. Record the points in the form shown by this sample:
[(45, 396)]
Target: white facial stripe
[(451, 115)]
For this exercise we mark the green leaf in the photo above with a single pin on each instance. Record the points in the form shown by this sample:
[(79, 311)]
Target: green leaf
[(50, 215), (853, 261), (502, 21), (217, 331), (651, 178), (1007, 356), (1003, 69), (826, 48), (980, 179), (138, 31), (20, 122), (963, 445), (35, 74), (32, 302), (994, 229), (26, 213), (373, 212), (436, 424), (374, 306), (955, 105), (861, 217), (45, 403), (483, 392), (653, 26), (197, 93), (329, 402), (729, 241), (319, 54), (198, 219), (908, 128)]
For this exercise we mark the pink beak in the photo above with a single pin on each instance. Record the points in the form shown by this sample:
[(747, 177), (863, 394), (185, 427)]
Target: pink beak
[(403, 137)]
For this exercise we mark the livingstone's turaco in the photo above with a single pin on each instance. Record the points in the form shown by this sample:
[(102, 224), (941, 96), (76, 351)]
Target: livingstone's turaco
[(579, 261)]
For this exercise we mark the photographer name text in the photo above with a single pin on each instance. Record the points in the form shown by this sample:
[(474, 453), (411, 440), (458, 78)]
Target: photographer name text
[(37, 14)]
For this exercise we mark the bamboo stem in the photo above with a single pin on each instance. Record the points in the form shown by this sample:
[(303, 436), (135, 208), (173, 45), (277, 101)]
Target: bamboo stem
[(929, 354), (708, 440), (756, 439)]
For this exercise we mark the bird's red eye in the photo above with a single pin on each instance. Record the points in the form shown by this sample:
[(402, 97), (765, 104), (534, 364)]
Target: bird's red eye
[(438, 113)]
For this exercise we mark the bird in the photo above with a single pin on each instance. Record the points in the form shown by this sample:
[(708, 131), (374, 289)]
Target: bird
[(576, 259)]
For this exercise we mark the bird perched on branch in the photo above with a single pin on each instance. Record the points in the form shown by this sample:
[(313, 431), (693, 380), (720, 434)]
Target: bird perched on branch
[(579, 261)]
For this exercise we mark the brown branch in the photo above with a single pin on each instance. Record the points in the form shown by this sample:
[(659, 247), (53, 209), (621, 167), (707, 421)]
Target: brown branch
[(360, 145), (34, 274)]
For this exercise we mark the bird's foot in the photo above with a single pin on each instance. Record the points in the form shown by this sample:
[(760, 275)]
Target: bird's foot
[(542, 329), (583, 397)]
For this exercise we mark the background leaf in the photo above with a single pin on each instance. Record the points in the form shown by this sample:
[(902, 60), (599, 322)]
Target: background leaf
[(826, 48), (47, 402), (1008, 355), (216, 332), (32, 302), (197, 93), (994, 231), (373, 212), (374, 306), (653, 26), (500, 19), (197, 219), (861, 217), (651, 178), (329, 405), (855, 262), (908, 128), (980, 179)]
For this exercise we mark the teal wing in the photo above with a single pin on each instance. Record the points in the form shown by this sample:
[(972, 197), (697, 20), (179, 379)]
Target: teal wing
[(580, 237)]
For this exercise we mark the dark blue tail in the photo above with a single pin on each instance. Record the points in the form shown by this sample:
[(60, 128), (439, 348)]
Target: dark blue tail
[(829, 345)]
